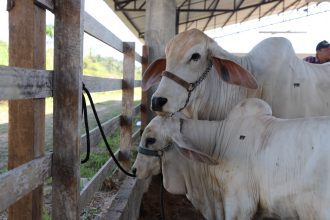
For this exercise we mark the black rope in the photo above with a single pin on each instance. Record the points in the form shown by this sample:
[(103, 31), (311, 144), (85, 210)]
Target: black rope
[(84, 112), (162, 214), (103, 135)]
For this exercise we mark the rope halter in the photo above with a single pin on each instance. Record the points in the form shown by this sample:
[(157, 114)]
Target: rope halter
[(156, 153)]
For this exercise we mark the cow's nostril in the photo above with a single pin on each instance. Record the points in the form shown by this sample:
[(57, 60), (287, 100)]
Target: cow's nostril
[(157, 103), (134, 170)]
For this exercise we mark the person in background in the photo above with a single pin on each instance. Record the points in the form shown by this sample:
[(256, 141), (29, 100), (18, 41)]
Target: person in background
[(322, 53)]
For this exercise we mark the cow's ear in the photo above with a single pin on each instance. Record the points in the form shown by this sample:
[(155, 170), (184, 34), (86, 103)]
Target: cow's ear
[(233, 73), (187, 149), (153, 73)]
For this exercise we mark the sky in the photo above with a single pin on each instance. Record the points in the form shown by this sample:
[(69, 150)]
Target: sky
[(312, 25)]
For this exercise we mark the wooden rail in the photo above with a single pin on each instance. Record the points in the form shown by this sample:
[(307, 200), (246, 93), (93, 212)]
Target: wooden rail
[(24, 83), (17, 182)]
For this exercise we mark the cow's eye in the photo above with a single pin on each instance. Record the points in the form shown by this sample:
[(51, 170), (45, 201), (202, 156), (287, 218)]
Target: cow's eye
[(195, 57), (150, 141)]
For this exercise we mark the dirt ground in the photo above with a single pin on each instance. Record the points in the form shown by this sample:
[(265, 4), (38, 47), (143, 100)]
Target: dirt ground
[(176, 207)]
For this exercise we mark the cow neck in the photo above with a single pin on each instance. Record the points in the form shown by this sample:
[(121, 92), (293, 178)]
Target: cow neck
[(204, 134), (215, 98), (203, 190)]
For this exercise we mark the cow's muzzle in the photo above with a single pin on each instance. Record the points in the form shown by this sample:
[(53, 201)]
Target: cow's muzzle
[(157, 103)]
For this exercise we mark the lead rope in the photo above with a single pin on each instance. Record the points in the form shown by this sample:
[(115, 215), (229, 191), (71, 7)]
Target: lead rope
[(102, 133), (162, 214), (84, 112)]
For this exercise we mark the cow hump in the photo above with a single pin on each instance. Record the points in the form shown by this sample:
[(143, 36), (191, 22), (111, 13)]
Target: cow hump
[(250, 107)]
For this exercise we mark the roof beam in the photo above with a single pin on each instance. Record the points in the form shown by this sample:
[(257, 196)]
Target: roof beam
[(187, 15), (231, 15), (249, 15), (211, 16), (184, 2), (123, 5), (238, 8), (271, 9), (292, 4)]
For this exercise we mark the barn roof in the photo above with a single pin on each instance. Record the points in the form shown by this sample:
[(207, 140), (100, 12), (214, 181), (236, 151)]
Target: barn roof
[(204, 14)]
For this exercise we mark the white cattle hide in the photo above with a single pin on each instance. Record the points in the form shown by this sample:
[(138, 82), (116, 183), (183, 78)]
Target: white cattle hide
[(279, 168), (292, 87)]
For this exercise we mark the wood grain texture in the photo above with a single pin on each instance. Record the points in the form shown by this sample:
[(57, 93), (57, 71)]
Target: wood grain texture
[(127, 102), (26, 131), (18, 182), (98, 84), (68, 53), (23, 83)]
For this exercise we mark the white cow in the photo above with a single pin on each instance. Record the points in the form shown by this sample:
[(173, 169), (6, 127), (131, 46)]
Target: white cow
[(292, 87), (278, 167)]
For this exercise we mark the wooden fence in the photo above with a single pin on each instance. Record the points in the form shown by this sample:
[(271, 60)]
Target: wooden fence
[(25, 83)]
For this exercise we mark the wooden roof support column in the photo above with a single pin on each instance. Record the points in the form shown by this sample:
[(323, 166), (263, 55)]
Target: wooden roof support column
[(26, 132), (144, 97), (68, 52), (159, 29)]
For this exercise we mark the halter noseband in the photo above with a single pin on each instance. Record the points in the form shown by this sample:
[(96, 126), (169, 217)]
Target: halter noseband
[(155, 153), (188, 86)]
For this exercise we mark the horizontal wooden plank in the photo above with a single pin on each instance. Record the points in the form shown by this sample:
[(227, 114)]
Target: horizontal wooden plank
[(98, 84), (137, 83), (136, 136), (18, 182), (23, 83), (138, 58), (47, 4), (97, 30), (95, 183), (127, 202)]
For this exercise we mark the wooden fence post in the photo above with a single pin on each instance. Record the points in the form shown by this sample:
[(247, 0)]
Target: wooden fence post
[(27, 41), (144, 98), (68, 52), (127, 103)]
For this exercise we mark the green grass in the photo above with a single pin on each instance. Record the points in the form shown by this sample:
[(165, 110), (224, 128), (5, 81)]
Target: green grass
[(3, 170), (45, 215), (95, 162), (98, 158)]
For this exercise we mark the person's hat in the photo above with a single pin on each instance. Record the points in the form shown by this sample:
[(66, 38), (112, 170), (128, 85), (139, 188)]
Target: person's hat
[(322, 44)]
